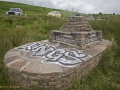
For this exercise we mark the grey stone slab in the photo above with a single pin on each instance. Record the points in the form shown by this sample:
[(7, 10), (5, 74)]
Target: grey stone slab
[(98, 48), (32, 69), (50, 68), (10, 53), (92, 52), (19, 64), (9, 58)]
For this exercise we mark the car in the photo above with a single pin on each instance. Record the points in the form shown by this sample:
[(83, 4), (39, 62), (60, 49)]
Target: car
[(54, 13), (15, 11)]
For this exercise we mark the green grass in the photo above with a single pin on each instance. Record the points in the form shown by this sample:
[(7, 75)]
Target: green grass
[(15, 31), (29, 9)]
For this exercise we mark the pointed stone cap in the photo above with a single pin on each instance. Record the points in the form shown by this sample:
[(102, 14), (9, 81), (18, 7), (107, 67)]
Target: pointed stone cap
[(76, 24)]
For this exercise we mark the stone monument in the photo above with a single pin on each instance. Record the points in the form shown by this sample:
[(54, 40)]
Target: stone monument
[(53, 64), (76, 32)]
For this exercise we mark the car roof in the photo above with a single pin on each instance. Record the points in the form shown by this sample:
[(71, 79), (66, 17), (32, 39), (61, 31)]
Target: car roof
[(15, 8), (54, 11)]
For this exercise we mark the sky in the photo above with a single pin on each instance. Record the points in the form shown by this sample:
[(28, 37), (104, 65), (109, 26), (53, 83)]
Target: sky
[(82, 6)]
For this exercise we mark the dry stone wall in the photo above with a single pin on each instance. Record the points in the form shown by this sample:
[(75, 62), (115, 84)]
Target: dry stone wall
[(27, 70), (76, 24)]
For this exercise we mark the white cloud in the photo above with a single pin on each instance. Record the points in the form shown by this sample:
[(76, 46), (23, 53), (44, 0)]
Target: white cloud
[(88, 8), (78, 5), (83, 6)]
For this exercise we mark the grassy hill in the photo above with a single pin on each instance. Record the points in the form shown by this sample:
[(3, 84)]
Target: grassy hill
[(28, 9), (15, 31)]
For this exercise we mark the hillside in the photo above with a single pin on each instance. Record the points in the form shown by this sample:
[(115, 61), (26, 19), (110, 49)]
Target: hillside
[(28, 9), (16, 31)]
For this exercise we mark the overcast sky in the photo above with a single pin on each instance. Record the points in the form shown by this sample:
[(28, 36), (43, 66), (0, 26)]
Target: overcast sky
[(82, 6)]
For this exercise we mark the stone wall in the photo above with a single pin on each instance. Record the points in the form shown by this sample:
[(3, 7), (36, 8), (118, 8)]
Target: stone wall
[(52, 81), (80, 40), (76, 24), (56, 80)]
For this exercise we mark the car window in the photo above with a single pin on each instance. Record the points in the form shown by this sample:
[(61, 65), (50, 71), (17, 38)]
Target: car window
[(19, 10), (14, 9)]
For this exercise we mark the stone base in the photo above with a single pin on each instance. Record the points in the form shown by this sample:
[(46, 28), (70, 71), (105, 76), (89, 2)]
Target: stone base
[(79, 40), (47, 65)]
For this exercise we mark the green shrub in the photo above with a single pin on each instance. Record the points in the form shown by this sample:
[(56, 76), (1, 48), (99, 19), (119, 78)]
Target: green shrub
[(42, 30)]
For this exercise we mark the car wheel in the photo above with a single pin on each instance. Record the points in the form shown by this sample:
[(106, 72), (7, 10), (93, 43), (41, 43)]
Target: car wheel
[(18, 14)]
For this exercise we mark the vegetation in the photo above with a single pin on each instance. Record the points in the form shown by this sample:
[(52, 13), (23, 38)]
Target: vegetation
[(15, 31), (29, 10)]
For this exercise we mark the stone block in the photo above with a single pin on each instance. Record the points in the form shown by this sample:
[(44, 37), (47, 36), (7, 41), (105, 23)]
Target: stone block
[(53, 83), (32, 69), (34, 83), (46, 80)]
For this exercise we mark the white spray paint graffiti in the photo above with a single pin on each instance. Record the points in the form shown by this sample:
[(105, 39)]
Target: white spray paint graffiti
[(53, 54)]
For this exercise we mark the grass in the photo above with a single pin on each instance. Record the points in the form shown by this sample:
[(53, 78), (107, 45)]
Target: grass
[(15, 31), (29, 9)]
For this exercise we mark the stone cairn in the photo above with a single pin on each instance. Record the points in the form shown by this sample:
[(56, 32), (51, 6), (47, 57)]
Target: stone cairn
[(54, 64), (76, 32)]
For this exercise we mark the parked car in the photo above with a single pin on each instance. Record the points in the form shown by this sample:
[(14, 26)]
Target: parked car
[(54, 13), (15, 11)]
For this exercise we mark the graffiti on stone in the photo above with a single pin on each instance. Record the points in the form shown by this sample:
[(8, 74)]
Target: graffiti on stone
[(53, 54)]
